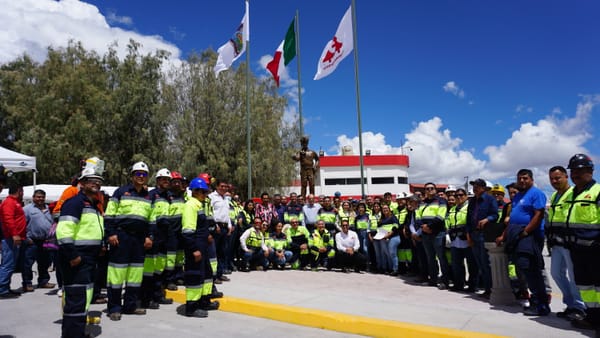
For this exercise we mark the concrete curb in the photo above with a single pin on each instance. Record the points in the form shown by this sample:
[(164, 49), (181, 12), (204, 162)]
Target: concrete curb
[(332, 320)]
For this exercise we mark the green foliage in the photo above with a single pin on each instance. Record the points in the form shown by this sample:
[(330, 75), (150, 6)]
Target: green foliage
[(77, 104)]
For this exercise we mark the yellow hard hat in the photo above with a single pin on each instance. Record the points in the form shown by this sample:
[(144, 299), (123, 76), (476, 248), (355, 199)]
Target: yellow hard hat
[(497, 188)]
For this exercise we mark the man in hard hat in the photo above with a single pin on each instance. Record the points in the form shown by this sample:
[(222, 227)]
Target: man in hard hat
[(79, 232), (155, 260), (583, 219), (129, 235)]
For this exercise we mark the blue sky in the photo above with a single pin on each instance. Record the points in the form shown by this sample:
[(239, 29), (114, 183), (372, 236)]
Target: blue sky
[(475, 88)]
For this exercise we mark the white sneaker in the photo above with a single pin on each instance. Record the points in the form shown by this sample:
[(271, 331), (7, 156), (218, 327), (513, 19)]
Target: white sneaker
[(59, 293)]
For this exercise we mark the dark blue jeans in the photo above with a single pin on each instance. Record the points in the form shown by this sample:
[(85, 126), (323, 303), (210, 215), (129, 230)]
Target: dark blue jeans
[(434, 247), (458, 267), (35, 252), (10, 257), (483, 260)]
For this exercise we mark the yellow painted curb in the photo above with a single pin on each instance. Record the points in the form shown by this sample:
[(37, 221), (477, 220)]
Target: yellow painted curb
[(333, 320)]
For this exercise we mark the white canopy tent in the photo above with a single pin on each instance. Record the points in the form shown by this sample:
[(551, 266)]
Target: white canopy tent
[(16, 162)]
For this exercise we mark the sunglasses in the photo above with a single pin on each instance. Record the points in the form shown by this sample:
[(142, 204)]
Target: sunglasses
[(140, 174)]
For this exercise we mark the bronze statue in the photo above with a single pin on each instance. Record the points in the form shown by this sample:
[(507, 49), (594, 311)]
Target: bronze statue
[(309, 164)]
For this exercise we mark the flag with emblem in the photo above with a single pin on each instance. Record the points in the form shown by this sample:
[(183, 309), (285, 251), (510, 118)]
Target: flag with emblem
[(337, 48), (236, 46)]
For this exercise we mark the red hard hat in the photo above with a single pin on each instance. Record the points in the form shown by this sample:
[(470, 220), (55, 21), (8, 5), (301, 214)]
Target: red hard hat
[(175, 175), (205, 177)]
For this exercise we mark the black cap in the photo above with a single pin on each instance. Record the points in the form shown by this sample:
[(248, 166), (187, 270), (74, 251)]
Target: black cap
[(480, 182)]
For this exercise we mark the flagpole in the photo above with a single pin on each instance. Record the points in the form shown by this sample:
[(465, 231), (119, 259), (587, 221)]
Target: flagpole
[(297, 33), (360, 145), (248, 138)]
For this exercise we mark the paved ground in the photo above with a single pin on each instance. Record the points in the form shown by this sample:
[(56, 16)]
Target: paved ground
[(416, 309)]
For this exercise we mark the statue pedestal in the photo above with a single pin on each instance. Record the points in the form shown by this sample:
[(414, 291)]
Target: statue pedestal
[(501, 290)]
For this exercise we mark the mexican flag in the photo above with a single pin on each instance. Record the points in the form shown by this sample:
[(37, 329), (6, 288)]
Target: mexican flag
[(284, 53)]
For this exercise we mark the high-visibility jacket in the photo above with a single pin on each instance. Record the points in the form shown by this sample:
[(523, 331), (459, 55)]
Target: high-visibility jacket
[(293, 211), (129, 210), (456, 221), (350, 215), (194, 226), (321, 239), (80, 227), (401, 214), (277, 241), (362, 222), (328, 216), (159, 217), (557, 231), (255, 240), (433, 213), (584, 214), (297, 237)]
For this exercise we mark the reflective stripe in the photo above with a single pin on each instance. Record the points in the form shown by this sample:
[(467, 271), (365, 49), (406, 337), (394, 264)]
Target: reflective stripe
[(585, 242), (67, 240), (68, 218), (82, 242), (590, 295), (118, 265), (130, 216)]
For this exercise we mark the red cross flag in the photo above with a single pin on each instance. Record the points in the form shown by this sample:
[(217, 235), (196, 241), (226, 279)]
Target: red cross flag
[(337, 48)]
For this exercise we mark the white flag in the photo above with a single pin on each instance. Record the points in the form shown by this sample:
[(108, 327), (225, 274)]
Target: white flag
[(236, 46), (337, 48)]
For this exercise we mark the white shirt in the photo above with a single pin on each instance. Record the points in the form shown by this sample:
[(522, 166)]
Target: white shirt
[(220, 208), (349, 240)]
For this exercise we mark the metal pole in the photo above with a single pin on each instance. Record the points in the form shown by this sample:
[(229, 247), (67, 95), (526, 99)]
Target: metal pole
[(360, 145), (297, 35), (248, 130)]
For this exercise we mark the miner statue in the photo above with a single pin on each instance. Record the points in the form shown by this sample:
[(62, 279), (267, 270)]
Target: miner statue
[(309, 164)]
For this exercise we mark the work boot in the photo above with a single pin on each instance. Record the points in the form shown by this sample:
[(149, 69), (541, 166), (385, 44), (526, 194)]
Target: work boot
[(152, 305), (172, 287), (207, 305), (165, 300), (199, 313), (138, 311), (115, 316)]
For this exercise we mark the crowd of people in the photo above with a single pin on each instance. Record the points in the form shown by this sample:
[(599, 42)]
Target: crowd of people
[(138, 243)]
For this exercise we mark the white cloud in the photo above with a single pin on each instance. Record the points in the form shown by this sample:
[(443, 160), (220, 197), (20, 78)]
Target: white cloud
[(113, 18), (521, 108), (31, 26), (545, 143), (289, 87), (437, 156), (454, 89)]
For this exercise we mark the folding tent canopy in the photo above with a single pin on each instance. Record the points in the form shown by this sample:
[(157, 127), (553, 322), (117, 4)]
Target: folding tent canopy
[(15, 161)]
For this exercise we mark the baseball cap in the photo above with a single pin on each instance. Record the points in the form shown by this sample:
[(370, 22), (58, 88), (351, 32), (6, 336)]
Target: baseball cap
[(480, 182)]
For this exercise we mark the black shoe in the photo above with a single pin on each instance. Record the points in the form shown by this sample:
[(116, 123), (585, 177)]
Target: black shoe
[(165, 300), (576, 315), (15, 292), (199, 313), (533, 311), (172, 287), (9, 295), (138, 311), (152, 305), (565, 314), (442, 286), (216, 294), (224, 279), (227, 272), (115, 316), (210, 306), (583, 324), (394, 273)]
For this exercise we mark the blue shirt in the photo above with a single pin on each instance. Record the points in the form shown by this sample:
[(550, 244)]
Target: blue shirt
[(524, 205), (484, 206)]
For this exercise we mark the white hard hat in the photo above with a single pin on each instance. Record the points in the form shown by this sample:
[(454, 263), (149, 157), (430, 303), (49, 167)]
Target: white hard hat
[(488, 184), (96, 164), (139, 166), (164, 172), (400, 195), (89, 173), (450, 187)]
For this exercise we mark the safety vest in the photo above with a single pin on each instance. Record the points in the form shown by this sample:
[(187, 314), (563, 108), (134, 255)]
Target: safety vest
[(327, 216), (584, 214), (277, 242), (556, 225), (362, 222), (456, 221), (129, 210), (430, 211), (401, 215), (293, 211), (389, 223), (160, 209), (87, 230), (321, 240), (298, 235), (194, 225), (350, 216), (255, 240)]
